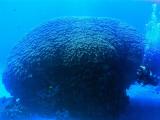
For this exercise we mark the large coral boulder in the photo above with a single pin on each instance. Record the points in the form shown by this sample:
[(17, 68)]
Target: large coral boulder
[(82, 65)]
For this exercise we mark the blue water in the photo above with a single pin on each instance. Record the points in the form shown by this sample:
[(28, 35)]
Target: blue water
[(18, 17)]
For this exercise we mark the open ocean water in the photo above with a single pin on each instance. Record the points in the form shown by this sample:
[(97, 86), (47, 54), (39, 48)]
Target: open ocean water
[(50, 75)]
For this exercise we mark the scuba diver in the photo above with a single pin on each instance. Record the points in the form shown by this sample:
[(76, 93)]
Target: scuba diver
[(145, 76), (144, 73)]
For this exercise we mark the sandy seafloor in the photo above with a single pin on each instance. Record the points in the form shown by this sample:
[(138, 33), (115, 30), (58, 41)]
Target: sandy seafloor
[(144, 103)]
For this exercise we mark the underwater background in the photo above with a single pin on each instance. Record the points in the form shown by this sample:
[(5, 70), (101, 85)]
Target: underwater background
[(18, 17)]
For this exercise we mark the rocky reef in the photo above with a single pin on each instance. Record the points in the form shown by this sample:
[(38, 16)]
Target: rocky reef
[(82, 65)]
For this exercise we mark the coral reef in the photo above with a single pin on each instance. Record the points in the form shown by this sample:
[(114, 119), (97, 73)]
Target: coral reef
[(11, 109), (82, 65)]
